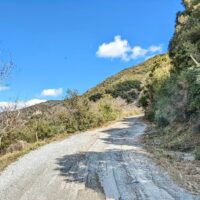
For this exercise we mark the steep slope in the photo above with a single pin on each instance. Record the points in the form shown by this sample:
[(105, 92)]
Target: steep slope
[(174, 103), (136, 73)]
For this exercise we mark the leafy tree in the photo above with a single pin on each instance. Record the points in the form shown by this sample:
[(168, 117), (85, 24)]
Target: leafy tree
[(95, 97)]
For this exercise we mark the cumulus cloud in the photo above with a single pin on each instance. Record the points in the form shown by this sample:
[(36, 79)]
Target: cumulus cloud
[(155, 48), (19, 104), (52, 92), (120, 48), (138, 52), (2, 88), (116, 49)]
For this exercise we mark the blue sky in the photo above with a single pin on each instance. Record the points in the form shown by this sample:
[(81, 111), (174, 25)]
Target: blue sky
[(60, 44)]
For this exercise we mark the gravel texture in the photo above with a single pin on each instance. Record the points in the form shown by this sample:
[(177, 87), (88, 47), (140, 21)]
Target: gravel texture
[(107, 163)]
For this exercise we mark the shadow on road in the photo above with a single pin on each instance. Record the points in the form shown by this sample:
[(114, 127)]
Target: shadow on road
[(89, 167)]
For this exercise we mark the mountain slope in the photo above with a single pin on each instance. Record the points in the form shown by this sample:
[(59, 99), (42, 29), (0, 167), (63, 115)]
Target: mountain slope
[(174, 103), (114, 98), (167, 87)]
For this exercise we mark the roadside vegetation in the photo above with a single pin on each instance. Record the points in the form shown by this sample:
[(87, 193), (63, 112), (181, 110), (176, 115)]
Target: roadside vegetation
[(166, 87), (113, 99), (23, 130), (171, 96), (32, 127), (171, 99)]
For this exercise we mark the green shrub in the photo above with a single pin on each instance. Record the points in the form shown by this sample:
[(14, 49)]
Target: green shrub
[(186, 39), (95, 97), (149, 114), (143, 101), (197, 153), (127, 90), (162, 122), (107, 111)]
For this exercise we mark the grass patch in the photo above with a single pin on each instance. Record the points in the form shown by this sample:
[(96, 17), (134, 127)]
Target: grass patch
[(184, 172), (7, 159), (197, 153)]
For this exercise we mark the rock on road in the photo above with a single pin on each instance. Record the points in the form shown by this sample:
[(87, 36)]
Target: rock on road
[(106, 163)]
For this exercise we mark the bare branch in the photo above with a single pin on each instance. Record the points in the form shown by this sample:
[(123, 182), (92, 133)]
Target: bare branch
[(9, 120), (5, 69), (195, 61)]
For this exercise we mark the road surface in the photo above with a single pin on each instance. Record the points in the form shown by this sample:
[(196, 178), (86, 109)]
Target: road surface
[(107, 163)]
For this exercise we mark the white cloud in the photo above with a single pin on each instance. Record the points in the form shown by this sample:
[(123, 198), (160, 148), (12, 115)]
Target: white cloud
[(2, 88), (116, 49), (155, 48), (19, 104), (120, 48), (52, 92), (138, 52)]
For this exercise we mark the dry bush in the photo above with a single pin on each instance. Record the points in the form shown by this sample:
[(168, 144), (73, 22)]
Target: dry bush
[(9, 120), (18, 146)]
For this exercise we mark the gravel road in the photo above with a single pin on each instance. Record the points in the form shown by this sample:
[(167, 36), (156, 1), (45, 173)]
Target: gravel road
[(107, 163)]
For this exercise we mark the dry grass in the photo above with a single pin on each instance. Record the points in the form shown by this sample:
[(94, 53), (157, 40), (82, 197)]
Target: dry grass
[(183, 171), (7, 159)]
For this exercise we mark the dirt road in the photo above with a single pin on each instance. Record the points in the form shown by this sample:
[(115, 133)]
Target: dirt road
[(107, 163)]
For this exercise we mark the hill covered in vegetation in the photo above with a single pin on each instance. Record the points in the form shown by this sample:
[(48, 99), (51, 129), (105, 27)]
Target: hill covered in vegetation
[(114, 98), (166, 87), (172, 101)]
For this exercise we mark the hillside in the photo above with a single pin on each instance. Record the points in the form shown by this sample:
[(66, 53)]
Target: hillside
[(135, 73), (114, 98), (136, 135), (173, 104), (166, 87)]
